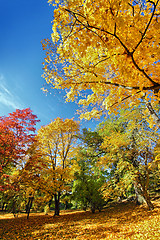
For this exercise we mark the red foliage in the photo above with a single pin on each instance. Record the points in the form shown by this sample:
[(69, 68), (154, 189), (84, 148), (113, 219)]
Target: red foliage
[(17, 133)]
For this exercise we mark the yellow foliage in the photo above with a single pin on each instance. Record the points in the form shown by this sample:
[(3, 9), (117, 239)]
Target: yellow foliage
[(56, 142), (110, 47)]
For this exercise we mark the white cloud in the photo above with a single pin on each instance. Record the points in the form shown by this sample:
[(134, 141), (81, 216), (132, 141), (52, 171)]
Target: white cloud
[(7, 98)]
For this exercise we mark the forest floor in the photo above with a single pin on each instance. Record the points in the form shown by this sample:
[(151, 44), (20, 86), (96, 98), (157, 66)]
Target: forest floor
[(122, 221)]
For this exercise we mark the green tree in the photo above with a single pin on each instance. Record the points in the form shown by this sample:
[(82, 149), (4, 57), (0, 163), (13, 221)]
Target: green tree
[(88, 177), (87, 184)]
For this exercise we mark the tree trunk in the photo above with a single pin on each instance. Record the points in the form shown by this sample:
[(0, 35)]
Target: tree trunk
[(143, 193), (93, 209), (29, 205), (50, 202), (152, 111), (14, 208), (66, 205), (3, 206), (148, 200), (139, 196), (57, 202)]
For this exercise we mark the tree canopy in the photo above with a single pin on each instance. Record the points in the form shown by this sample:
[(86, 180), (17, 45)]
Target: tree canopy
[(105, 52)]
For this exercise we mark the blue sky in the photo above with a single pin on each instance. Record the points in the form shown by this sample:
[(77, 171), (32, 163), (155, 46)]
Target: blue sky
[(23, 24)]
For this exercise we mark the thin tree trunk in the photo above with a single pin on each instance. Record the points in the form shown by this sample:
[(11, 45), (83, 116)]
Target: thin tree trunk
[(29, 206), (93, 209), (57, 203), (3, 205), (50, 202), (14, 208), (145, 182), (66, 205)]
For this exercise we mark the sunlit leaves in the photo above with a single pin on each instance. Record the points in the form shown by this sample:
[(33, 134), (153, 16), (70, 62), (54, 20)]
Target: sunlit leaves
[(108, 47), (129, 144), (124, 221), (56, 141)]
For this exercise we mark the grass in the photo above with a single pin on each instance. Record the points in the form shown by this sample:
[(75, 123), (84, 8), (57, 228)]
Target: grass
[(123, 221)]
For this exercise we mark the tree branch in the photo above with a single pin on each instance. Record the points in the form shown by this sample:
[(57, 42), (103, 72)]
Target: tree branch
[(115, 84), (155, 5), (90, 27), (152, 111)]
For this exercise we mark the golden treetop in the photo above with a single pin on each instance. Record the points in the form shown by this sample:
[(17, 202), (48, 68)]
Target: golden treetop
[(57, 139), (110, 47)]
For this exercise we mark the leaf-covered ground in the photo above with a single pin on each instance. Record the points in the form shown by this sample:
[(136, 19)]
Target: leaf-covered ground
[(123, 221)]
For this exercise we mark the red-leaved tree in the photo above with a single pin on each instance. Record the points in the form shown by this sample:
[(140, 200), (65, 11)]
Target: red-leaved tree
[(17, 133)]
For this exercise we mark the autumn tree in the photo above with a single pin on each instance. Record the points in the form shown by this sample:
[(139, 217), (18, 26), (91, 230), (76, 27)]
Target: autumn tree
[(106, 53), (30, 176), (17, 132), (129, 145), (7, 154), (57, 141)]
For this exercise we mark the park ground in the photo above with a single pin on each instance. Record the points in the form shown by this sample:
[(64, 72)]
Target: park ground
[(120, 221)]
